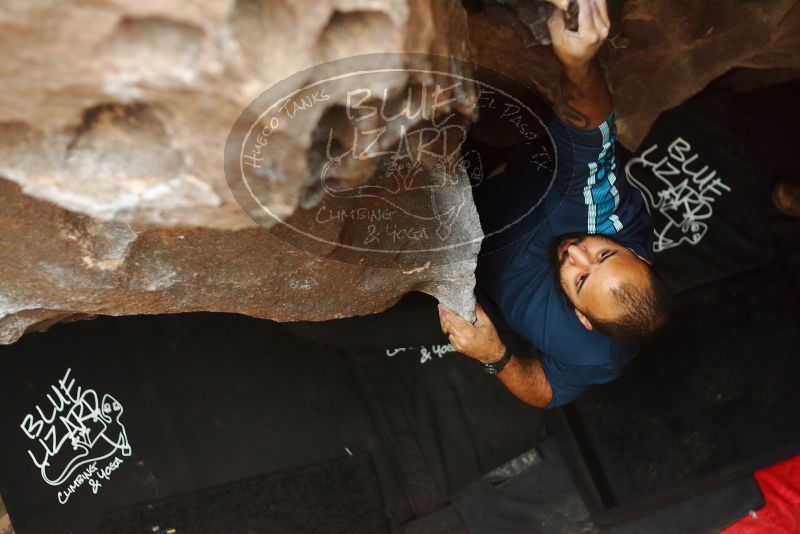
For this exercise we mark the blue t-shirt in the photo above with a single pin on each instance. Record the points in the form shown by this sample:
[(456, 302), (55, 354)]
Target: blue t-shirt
[(585, 195)]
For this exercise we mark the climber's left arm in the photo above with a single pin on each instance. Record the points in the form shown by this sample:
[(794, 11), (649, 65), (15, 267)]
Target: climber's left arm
[(524, 377)]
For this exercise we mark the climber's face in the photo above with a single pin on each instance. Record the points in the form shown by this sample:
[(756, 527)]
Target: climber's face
[(590, 268)]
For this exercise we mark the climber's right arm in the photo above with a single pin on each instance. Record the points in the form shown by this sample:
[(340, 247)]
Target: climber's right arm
[(583, 98)]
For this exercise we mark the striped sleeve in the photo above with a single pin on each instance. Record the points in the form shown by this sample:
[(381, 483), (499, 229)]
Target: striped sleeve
[(587, 173)]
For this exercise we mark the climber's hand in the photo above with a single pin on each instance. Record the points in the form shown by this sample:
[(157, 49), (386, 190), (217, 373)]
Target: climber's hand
[(478, 341), (575, 49)]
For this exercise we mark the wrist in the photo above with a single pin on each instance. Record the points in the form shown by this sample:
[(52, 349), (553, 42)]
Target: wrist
[(579, 69), (496, 355), (497, 366)]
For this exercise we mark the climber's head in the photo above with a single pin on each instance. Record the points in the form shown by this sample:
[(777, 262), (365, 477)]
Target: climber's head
[(612, 289)]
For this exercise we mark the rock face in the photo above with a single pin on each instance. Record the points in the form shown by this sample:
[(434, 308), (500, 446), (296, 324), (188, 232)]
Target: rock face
[(114, 117), (659, 54), (113, 121), (60, 265)]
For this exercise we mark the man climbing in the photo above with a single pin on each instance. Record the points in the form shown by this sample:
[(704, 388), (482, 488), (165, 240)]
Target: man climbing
[(580, 286)]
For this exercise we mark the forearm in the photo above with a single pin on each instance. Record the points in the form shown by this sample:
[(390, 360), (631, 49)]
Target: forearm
[(525, 378), (583, 98)]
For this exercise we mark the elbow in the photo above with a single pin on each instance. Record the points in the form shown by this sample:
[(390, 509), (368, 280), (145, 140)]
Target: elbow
[(542, 400)]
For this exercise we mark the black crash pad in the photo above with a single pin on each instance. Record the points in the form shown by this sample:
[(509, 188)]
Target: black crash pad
[(713, 398)]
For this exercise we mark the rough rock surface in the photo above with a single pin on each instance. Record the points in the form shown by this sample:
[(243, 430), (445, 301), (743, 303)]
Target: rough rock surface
[(120, 110), (114, 115), (113, 120), (69, 265), (661, 53)]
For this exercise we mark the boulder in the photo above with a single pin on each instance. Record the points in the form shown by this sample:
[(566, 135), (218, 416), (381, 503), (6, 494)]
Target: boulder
[(660, 53), (114, 117), (113, 122)]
